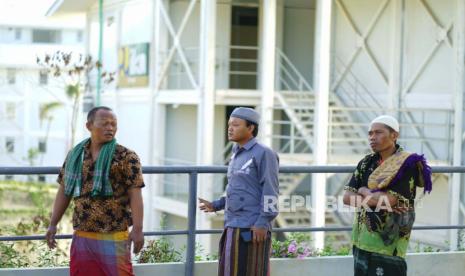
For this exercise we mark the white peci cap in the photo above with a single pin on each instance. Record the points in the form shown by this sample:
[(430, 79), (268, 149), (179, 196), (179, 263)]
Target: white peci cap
[(387, 120)]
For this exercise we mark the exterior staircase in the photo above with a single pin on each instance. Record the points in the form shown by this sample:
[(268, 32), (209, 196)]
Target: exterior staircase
[(352, 106)]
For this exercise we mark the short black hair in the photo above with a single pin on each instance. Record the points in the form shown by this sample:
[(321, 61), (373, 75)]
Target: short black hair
[(93, 111), (255, 129)]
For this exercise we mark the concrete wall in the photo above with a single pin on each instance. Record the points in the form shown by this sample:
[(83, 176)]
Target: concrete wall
[(424, 264)]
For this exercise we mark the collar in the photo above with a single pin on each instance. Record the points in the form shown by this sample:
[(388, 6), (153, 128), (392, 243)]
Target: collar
[(247, 146)]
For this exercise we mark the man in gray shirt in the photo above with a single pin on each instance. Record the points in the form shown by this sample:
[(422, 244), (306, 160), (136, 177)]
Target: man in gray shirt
[(251, 199)]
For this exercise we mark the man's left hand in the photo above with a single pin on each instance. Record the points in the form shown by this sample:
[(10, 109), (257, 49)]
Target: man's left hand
[(259, 234), (364, 191), (136, 237)]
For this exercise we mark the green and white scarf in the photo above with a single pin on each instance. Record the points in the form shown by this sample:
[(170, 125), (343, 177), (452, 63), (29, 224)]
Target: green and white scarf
[(73, 170)]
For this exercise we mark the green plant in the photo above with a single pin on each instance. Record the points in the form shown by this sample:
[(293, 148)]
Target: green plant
[(33, 218), (32, 154), (200, 254), (159, 251), (10, 257), (295, 246), (49, 258), (461, 245)]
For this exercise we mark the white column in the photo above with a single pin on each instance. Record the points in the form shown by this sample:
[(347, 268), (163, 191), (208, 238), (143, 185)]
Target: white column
[(155, 187), (157, 121), (206, 108), (119, 22), (279, 40), (395, 74), (454, 185), (267, 68), (320, 130)]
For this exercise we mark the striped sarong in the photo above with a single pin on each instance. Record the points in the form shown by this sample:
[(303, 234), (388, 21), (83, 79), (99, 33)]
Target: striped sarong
[(102, 254), (370, 263), (240, 258)]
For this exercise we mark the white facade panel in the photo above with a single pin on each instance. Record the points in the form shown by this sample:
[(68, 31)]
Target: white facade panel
[(298, 43)]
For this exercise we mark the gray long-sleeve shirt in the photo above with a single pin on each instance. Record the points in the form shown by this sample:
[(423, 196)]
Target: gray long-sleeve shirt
[(253, 187)]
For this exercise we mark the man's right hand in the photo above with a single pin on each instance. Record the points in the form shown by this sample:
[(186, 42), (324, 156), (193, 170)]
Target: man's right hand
[(206, 206), (50, 237)]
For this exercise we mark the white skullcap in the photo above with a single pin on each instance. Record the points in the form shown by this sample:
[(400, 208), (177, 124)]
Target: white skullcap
[(387, 120)]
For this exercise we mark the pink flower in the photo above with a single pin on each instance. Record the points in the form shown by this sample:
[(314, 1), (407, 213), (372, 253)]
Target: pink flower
[(292, 248)]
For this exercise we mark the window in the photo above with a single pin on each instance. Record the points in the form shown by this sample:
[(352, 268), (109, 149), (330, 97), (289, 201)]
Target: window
[(10, 111), (11, 75), (18, 34), (43, 78), (79, 36), (42, 146), (46, 36), (10, 144)]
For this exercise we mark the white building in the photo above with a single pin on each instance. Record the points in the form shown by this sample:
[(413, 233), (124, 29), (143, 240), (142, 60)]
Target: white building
[(317, 70), (25, 88)]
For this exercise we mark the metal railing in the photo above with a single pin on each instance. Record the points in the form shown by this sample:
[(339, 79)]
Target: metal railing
[(288, 76), (352, 92), (289, 140), (430, 126), (234, 61), (193, 172)]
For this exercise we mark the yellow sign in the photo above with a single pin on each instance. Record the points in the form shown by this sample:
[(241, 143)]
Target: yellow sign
[(133, 65)]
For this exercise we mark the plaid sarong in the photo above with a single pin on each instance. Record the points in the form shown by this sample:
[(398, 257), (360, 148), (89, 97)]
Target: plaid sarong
[(96, 254), (73, 170), (240, 258), (369, 263)]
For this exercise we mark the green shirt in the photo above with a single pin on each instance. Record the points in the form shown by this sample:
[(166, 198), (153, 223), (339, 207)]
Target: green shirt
[(381, 231)]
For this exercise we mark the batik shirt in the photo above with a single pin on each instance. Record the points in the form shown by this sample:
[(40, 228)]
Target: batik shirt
[(381, 231), (106, 214)]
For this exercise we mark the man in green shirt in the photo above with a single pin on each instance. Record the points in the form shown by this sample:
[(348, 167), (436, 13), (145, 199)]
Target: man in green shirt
[(383, 188)]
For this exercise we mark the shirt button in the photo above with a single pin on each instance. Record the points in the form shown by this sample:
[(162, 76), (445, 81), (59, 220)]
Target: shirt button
[(242, 209), (242, 199)]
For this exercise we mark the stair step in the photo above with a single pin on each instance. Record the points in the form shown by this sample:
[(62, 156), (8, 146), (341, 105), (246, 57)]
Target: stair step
[(345, 130), (291, 93)]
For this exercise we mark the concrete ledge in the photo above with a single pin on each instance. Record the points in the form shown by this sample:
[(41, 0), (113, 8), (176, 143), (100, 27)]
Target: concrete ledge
[(419, 264)]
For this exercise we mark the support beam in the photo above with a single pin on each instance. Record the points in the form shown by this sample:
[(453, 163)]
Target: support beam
[(320, 130), (206, 108), (100, 50), (280, 14), (267, 68), (395, 74), (176, 37), (155, 187), (454, 186), (157, 119)]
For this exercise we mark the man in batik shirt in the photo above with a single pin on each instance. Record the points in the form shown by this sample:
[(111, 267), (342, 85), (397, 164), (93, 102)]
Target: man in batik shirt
[(105, 180), (383, 188)]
